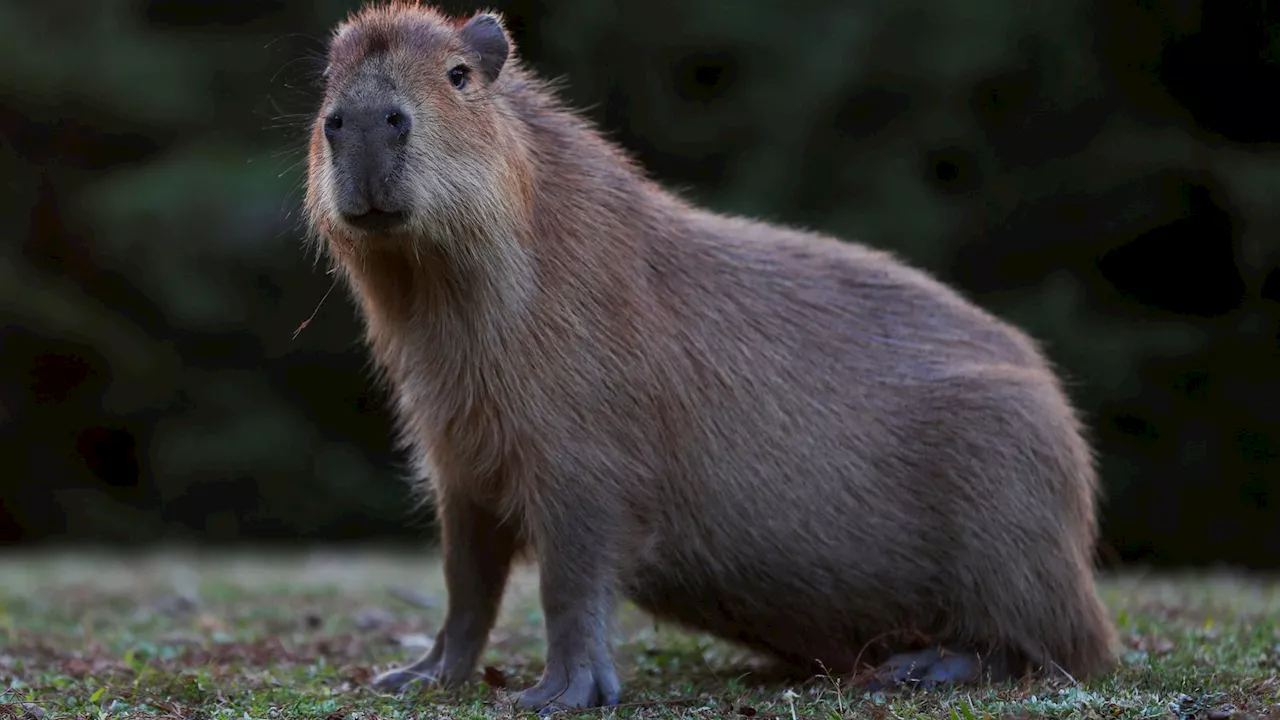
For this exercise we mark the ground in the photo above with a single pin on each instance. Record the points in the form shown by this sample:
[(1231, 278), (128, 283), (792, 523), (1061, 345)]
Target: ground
[(254, 635)]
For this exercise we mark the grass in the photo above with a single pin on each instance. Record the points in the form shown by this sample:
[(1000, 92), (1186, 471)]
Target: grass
[(254, 635)]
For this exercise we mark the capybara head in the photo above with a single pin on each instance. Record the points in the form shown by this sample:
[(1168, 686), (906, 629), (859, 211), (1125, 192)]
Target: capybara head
[(408, 141)]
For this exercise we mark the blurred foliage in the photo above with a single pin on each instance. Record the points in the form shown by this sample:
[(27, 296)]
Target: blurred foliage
[(1104, 174)]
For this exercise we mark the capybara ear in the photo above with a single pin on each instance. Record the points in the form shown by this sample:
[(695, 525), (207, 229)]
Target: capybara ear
[(485, 36)]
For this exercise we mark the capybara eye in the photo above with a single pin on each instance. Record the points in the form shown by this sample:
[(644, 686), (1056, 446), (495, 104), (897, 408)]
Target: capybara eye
[(332, 125), (458, 76)]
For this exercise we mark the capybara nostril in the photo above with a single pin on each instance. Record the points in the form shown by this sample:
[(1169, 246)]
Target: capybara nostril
[(399, 122)]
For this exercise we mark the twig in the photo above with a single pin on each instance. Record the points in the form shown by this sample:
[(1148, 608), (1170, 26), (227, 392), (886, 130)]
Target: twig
[(307, 322)]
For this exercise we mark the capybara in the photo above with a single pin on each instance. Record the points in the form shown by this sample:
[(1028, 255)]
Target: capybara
[(797, 443)]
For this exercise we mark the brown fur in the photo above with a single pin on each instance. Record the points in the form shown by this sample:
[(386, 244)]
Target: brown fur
[(789, 441)]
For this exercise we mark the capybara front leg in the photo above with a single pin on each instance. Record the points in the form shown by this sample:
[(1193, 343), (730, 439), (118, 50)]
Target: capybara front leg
[(478, 549), (578, 602)]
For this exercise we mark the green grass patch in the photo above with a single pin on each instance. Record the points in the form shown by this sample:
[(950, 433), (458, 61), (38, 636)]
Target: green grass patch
[(258, 635)]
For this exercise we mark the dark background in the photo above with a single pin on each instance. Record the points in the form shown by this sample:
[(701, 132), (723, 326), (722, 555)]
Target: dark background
[(1104, 174)]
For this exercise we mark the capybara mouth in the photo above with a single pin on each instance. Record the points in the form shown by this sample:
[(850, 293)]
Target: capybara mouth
[(378, 221)]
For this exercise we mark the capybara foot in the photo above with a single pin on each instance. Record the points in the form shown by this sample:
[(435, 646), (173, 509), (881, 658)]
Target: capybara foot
[(927, 669), (580, 689), (399, 679), (432, 668)]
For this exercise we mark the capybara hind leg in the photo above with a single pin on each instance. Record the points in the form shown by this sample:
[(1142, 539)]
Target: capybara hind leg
[(477, 556), (932, 668)]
